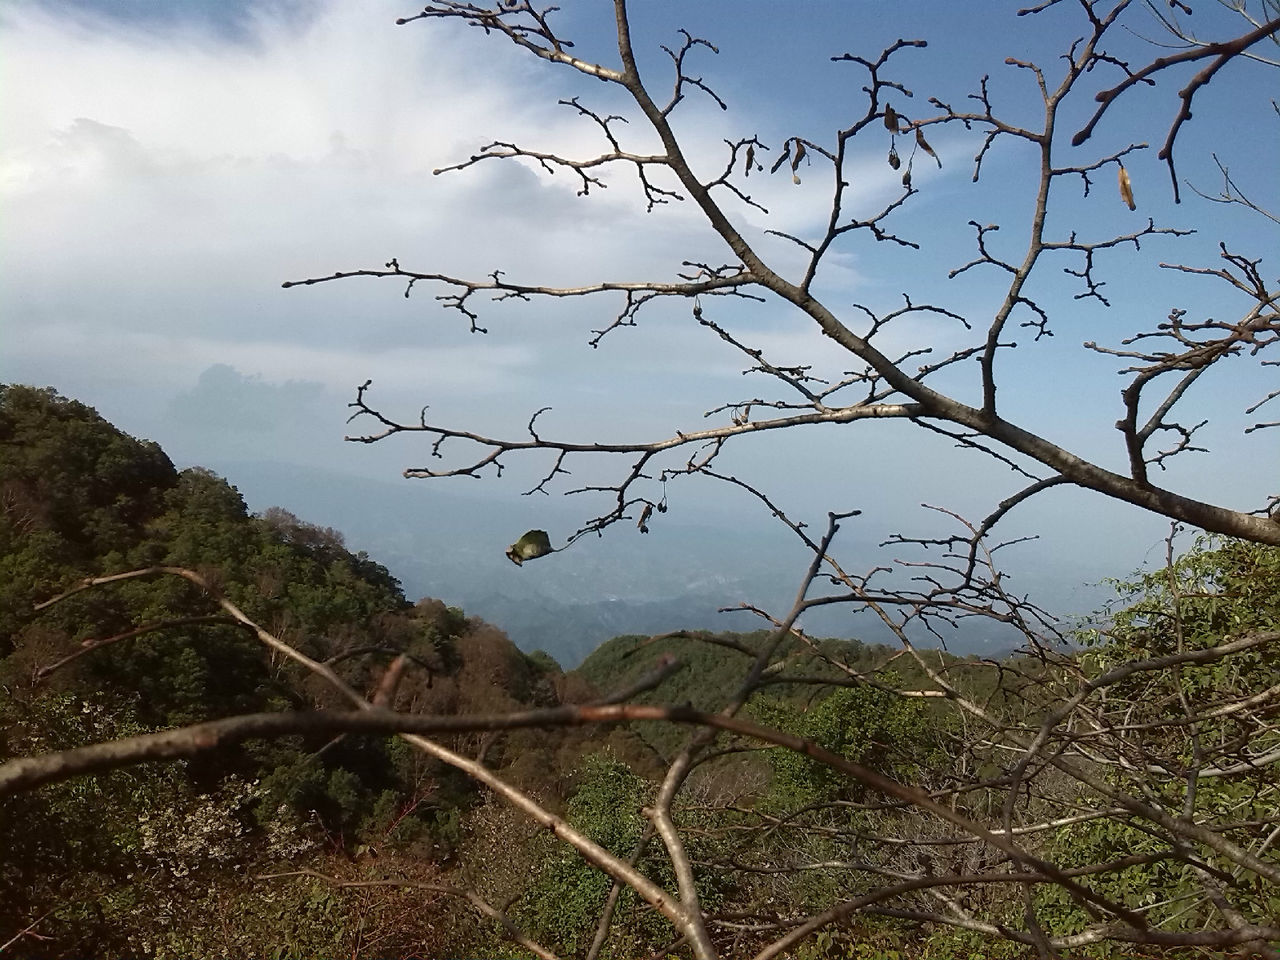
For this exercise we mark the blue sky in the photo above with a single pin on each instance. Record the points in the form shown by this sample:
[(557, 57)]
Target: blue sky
[(165, 166)]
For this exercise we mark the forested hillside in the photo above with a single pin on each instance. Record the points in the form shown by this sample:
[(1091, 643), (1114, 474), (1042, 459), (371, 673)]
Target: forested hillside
[(137, 862), (358, 845)]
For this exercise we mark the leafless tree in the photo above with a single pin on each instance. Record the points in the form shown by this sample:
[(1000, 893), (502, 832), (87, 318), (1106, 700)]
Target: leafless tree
[(1062, 749)]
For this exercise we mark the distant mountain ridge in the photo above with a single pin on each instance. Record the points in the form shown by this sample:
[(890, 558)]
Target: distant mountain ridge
[(448, 545), (442, 544)]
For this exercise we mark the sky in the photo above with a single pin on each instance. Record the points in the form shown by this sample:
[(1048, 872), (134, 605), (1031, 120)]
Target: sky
[(165, 167)]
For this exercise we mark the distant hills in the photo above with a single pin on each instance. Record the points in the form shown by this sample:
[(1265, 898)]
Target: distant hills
[(451, 546), (445, 544), (441, 542)]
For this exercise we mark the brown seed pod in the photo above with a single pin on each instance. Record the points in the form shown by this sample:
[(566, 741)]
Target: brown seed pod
[(1126, 188), (924, 145)]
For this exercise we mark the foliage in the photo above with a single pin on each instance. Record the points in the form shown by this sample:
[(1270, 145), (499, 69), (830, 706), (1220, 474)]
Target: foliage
[(75, 494), (873, 726), (122, 858), (565, 901), (1204, 724)]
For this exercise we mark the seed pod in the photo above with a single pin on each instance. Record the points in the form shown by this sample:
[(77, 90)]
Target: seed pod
[(906, 178), (786, 155), (890, 119), (795, 161), (894, 160), (1126, 188), (924, 145)]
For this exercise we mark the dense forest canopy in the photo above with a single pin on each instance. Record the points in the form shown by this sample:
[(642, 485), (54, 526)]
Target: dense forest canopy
[(83, 499)]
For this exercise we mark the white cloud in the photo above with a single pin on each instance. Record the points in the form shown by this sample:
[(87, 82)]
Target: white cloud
[(161, 189), (158, 193)]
